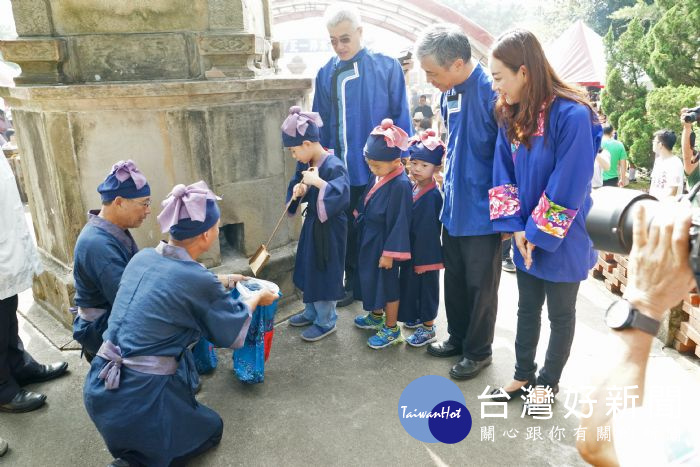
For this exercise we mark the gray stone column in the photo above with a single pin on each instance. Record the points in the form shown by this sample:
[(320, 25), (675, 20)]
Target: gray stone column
[(186, 89)]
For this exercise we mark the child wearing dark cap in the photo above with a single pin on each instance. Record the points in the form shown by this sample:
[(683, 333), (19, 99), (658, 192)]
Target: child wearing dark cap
[(383, 217), (420, 277), (322, 182)]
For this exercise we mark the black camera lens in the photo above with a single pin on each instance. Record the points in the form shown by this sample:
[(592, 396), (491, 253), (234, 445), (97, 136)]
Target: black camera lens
[(692, 115), (609, 222)]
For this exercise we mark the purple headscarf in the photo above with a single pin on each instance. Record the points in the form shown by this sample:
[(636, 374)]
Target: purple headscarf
[(300, 126), (125, 180), (186, 202)]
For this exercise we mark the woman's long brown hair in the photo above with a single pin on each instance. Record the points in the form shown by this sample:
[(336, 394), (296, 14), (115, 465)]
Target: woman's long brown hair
[(517, 48)]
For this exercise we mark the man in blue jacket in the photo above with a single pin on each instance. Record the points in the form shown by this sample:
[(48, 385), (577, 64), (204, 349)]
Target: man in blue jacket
[(471, 249), (353, 93)]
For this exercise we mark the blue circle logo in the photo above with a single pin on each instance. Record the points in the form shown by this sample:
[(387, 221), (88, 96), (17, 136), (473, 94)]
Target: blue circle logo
[(432, 409)]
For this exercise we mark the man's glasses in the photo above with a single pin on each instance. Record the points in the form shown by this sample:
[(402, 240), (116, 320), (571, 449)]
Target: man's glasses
[(143, 204), (342, 40)]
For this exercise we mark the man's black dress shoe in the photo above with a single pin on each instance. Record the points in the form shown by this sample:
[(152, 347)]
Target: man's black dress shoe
[(24, 401), (512, 394), (444, 349), (467, 368), (45, 373)]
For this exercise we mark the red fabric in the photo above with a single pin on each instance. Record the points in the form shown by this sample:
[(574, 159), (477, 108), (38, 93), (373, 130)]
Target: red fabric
[(267, 338)]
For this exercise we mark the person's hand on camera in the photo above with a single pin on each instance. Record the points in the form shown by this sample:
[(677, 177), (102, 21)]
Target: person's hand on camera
[(659, 273), (684, 110)]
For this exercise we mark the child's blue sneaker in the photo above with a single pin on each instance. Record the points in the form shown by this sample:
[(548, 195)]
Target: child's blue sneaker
[(369, 321), (421, 337), (385, 337), (316, 333), (412, 324), (298, 320)]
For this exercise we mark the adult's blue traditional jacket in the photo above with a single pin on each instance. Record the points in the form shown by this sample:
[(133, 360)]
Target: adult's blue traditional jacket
[(353, 97), (152, 416), (467, 110), (320, 259), (101, 255), (545, 191)]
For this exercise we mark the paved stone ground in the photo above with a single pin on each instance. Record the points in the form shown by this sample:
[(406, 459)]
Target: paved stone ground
[(334, 402)]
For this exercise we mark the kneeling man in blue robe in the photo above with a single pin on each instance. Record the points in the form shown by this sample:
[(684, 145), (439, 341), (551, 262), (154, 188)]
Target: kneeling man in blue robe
[(138, 391)]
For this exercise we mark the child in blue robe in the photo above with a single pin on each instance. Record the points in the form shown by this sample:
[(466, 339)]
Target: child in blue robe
[(420, 276), (138, 391), (104, 248), (383, 220), (547, 143), (321, 182)]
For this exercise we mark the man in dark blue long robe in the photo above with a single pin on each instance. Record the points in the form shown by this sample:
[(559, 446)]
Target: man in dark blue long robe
[(104, 248), (353, 92), (139, 391)]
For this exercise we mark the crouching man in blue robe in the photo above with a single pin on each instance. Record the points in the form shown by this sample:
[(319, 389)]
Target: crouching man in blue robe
[(104, 248), (138, 392)]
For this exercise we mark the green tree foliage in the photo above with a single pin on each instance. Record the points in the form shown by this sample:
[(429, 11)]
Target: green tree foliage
[(635, 131), (615, 14), (624, 97), (674, 45), (663, 105)]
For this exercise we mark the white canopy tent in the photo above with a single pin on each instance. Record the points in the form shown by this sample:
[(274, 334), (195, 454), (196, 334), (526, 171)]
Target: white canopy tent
[(578, 56)]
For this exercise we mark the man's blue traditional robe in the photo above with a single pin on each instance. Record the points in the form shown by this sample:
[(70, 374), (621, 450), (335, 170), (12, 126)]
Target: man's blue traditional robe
[(101, 254), (153, 419), (467, 110), (353, 97)]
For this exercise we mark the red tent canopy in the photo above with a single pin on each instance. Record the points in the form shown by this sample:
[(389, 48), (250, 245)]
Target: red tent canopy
[(578, 56)]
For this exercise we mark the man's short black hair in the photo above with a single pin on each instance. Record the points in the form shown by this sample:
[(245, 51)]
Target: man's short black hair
[(666, 137), (608, 129), (423, 96)]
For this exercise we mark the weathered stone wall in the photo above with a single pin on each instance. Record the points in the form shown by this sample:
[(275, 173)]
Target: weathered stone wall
[(85, 41), (184, 88)]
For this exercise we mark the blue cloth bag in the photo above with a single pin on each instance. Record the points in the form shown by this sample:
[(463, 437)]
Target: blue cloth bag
[(249, 360)]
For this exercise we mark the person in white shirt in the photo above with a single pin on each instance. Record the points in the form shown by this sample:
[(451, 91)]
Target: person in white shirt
[(601, 164), (667, 176)]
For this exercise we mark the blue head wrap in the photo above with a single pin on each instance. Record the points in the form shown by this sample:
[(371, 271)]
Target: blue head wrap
[(124, 180)]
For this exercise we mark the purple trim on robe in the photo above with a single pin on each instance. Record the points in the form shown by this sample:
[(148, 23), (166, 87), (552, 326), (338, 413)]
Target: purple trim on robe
[(148, 364), (174, 252), (90, 314), (320, 205), (240, 339), (383, 181), (124, 236)]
